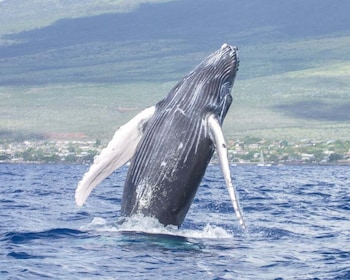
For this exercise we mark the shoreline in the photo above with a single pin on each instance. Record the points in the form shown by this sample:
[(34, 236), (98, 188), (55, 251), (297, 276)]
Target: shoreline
[(240, 152), (210, 163)]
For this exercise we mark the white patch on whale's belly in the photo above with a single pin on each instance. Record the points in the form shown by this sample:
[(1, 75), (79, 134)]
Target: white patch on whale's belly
[(144, 195)]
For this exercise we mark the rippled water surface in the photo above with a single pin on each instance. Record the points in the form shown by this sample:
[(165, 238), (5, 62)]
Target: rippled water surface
[(298, 221)]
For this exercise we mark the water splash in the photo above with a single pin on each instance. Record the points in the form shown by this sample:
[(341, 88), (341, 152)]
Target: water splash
[(149, 225)]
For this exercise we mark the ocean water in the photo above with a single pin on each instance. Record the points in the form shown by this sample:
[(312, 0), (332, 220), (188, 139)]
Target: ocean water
[(298, 220)]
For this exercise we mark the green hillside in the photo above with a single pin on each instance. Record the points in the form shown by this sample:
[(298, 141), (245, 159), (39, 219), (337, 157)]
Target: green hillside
[(86, 76)]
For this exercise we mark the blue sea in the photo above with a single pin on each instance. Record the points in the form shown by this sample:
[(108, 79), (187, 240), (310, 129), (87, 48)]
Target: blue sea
[(298, 220)]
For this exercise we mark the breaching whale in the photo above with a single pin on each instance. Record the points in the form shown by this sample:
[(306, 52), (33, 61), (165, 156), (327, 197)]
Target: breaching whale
[(169, 145)]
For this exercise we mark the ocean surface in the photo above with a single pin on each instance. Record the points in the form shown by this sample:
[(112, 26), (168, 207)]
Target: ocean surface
[(298, 220)]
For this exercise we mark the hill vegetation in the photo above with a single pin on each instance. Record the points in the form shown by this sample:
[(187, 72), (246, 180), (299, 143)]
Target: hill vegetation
[(87, 76)]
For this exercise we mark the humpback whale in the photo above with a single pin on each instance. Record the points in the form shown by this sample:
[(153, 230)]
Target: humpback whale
[(169, 145)]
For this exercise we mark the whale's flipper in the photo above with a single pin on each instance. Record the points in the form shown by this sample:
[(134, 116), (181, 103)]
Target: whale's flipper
[(219, 141), (119, 151)]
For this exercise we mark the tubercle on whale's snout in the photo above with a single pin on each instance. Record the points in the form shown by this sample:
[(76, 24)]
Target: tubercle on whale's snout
[(228, 48), (225, 46)]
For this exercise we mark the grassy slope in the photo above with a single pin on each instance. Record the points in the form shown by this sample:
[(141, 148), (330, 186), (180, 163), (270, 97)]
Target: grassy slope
[(264, 106), (287, 89)]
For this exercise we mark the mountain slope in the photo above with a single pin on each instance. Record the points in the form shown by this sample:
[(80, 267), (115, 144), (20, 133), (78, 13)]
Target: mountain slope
[(91, 73)]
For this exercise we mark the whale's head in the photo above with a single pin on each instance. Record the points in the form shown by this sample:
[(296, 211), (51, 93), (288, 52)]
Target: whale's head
[(218, 73), (224, 61), (208, 86)]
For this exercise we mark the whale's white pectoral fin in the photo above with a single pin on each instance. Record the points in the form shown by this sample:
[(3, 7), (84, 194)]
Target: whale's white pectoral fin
[(118, 151), (219, 141)]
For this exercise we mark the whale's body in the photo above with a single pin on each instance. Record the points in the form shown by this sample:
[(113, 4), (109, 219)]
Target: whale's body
[(170, 144)]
